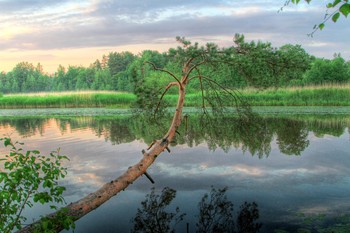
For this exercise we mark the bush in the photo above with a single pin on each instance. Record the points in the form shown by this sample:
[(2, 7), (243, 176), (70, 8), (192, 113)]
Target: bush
[(28, 178)]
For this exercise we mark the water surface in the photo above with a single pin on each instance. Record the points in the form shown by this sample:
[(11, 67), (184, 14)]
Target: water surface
[(294, 166)]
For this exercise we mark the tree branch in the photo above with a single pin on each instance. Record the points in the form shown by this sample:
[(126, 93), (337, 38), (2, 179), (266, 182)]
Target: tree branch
[(165, 91), (92, 201), (233, 93), (163, 70)]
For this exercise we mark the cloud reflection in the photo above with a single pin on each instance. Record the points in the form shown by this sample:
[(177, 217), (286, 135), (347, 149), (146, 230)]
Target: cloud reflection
[(317, 180)]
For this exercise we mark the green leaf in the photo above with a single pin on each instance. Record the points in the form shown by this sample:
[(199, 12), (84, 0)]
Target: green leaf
[(321, 26), (336, 2), (336, 17), (329, 5), (345, 9), (45, 225), (7, 142)]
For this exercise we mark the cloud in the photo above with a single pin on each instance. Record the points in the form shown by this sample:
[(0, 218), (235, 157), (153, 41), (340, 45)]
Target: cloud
[(67, 25), (12, 6)]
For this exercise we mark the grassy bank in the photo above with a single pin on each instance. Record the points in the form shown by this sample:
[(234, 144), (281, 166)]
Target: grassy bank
[(67, 100), (326, 95), (331, 95)]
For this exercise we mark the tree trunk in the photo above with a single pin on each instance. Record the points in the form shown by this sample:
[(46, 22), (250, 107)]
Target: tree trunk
[(92, 201)]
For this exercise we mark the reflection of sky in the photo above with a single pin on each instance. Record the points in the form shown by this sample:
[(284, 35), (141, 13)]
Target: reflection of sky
[(315, 182)]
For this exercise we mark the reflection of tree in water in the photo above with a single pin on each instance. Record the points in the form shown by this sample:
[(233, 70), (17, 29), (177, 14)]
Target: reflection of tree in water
[(26, 127), (216, 214), (153, 217), (292, 136), (115, 130), (252, 134), (334, 127)]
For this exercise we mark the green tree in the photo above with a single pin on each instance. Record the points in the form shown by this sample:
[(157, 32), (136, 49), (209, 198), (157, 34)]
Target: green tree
[(75, 73), (118, 62), (297, 62), (59, 79), (328, 71), (15, 87), (101, 80), (263, 65), (2, 82), (30, 84), (20, 73)]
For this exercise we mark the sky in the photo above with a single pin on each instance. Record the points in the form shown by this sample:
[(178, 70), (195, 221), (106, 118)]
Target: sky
[(75, 32)]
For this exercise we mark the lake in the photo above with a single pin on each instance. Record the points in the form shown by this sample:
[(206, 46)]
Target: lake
[(294, 163)]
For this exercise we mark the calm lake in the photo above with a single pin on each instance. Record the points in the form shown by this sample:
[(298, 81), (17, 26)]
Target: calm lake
[(293, 162)]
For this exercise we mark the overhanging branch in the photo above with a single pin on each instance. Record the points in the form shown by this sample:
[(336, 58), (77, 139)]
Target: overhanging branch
[(165, 91), (163, 70)]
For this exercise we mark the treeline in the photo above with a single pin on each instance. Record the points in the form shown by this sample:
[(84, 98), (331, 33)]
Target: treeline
[(253, 64)]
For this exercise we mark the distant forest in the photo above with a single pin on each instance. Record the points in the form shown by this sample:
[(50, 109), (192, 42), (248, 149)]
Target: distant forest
[(288, 65)]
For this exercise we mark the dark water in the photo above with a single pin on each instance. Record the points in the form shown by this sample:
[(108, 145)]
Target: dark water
[(295, 167)]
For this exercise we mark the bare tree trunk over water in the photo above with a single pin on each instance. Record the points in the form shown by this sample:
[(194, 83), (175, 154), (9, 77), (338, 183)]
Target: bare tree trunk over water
[(192, 58), (92, 201)]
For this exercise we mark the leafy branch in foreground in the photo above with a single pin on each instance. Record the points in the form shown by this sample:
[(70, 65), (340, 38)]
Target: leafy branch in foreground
[(335, 9), (28, 177)]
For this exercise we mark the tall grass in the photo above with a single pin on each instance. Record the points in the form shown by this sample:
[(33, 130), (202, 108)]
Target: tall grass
[(67, 100), (325, 95)]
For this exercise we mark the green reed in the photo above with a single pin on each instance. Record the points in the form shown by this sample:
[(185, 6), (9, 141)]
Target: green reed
[(301, 96), (68, 100), (331, 95)]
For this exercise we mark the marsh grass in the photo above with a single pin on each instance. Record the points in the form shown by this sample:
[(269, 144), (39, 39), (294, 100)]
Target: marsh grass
[(67, 100), (324, 95)]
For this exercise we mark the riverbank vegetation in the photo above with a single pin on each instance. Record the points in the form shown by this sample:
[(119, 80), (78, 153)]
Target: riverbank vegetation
[(254, 64), (68, 99), (317, 95)]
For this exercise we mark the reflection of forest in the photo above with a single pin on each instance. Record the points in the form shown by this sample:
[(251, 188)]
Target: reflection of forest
[(253, 135), (215, 214)]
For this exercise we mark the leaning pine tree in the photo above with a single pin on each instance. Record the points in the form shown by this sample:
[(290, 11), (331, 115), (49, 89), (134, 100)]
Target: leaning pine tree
[(198, 65)]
